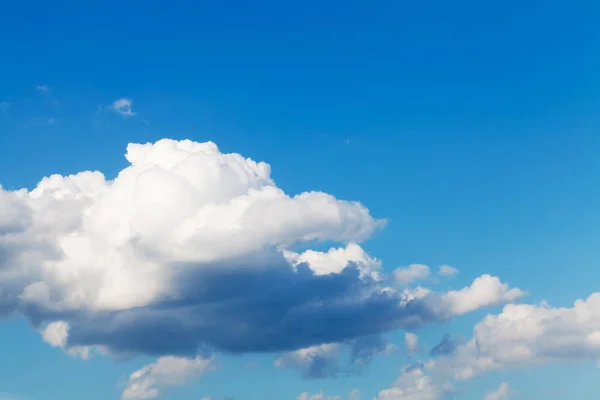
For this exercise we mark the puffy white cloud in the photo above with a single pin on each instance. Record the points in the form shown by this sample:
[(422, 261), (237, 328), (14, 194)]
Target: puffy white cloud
[(413, 272), (412, 341), (336, 259), (485, 291), (521, 335), (56, 334), (123, 107), (446, 270), (197, 246), (501, 393), (148, 382), (524, 334)]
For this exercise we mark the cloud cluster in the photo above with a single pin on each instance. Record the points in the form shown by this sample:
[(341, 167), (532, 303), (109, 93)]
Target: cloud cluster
[(191, 248), (521, 335)]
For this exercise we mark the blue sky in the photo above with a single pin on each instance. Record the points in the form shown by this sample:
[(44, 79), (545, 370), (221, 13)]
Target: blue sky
[(471, 128)]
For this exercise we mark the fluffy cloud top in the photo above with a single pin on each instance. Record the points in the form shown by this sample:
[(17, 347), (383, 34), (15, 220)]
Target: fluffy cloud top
[(190, 248)]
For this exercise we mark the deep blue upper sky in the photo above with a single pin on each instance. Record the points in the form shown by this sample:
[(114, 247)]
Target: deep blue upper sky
[(472, 126)]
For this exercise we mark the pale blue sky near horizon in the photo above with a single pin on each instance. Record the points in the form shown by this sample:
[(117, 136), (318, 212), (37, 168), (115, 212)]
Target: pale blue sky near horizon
[(472, 127)]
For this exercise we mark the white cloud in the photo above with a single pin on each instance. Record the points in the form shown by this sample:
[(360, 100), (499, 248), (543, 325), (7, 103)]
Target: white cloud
[(42, 88), (336, 259), (524, 334), (412, 341), (354, 395), (188, 243), (446, 270), (123, 107), (413, 384), (148, 382), (56, 334), (521, 335), (312, 362), (411, 273), (502, 393), (485, 291)]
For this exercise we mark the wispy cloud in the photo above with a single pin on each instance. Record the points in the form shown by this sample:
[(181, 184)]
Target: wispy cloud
[(42, 88), (123, 107)]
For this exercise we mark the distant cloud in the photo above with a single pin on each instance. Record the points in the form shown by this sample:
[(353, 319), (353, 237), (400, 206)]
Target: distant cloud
[(42, 88), (412, 341), (123, 106), (446, 270), (501, 393), (413, 272)]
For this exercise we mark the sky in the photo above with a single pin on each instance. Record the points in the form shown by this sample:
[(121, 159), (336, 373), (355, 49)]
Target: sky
[(267, 200)]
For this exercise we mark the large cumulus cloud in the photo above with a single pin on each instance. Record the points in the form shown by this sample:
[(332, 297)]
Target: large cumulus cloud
[(189, 248)]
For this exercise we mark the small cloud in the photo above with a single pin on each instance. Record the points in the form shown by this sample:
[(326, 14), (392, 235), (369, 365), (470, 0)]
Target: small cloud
[(413, 272), (412, 341), (42, 88), (502, 393), (348, 140), (250, 364), (123, 106), (446, 270)]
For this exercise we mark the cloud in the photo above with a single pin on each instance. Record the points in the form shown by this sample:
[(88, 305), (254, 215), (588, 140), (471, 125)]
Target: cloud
[(335, 260), (445, 347), (412, 273), (192, 248), (446, 270), (328, 360), (412, 342), (413, 384), (502, 393), (123, 107), (56, 333), (485, 291), (521, 335), (148, 382), (313, 362), (524, 334), (354, 395), (42, 88), (317, 396)]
